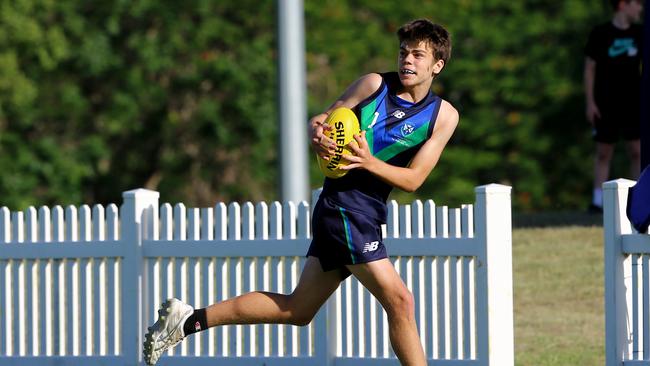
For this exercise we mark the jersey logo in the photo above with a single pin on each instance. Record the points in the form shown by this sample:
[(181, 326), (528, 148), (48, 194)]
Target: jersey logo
[(370, 247), (621, 46), (407, 129), (399, 114), (374, 120)]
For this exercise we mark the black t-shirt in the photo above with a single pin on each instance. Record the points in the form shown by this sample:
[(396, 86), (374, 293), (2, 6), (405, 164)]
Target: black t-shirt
[(617, 53)]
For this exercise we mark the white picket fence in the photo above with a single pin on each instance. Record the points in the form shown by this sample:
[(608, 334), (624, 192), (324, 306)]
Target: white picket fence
[(627, 282), (78, 286)]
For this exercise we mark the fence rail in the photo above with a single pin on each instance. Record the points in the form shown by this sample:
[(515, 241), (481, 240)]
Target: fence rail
[(79, 285)]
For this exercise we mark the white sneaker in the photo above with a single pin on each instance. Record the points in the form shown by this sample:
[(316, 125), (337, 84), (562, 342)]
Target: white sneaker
[(167, 331)]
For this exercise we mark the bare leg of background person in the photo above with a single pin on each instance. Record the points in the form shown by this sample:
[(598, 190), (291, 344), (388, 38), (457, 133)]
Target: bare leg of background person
[(634, 153), (602, 161), (297, 308), (381, 279)]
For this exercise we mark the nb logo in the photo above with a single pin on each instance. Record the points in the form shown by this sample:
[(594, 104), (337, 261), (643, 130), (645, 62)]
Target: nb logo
[(399, 114), (370, 247)]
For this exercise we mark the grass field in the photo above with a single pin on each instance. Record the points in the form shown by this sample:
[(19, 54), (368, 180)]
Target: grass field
[(558, 293)]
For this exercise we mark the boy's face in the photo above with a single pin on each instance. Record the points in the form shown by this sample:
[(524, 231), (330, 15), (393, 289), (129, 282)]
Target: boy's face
[(416, 63), (632, 9)]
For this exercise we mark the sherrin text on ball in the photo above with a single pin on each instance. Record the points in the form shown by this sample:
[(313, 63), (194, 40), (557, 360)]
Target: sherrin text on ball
[(344, 125)]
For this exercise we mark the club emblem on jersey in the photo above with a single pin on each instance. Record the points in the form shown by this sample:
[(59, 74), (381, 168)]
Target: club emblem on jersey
[(399, 114), (407, 129)]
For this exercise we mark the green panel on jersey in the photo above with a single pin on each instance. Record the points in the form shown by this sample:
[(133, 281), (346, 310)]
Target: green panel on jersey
[(367, 117), (406, 143), (368, 114)]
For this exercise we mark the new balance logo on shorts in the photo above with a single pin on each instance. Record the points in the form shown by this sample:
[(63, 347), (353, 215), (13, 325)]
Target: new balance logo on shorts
[(370, 247)]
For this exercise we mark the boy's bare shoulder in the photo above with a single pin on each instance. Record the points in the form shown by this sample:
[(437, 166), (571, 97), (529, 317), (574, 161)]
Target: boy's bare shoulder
[(448, 115), (370, 82)]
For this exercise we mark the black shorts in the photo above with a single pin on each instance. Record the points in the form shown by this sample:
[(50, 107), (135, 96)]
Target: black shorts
[(616, 122), (343, 236)]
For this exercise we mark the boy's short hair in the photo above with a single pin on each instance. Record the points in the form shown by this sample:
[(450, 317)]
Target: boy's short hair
[(614, 3), (424, 30)]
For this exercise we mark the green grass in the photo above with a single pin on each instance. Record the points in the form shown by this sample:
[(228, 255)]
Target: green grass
[(558, 295)]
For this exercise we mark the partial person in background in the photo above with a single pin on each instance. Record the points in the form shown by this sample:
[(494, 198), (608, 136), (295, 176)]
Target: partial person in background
[(612, 78)]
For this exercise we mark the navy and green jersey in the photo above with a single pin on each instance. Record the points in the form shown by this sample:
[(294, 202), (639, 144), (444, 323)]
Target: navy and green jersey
[(395, 130)]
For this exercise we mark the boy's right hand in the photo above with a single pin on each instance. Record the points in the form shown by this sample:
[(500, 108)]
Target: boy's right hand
[(592, 112), (320, 143)]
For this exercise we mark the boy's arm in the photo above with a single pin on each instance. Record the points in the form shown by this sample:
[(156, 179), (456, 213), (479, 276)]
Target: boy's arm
[(353, 95), (592, 111), (409, 178)]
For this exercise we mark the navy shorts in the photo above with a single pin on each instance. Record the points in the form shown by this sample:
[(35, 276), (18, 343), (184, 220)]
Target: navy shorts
[(343, 236)]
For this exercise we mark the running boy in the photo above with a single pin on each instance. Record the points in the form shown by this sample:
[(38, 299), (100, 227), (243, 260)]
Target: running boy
[(405, 128)]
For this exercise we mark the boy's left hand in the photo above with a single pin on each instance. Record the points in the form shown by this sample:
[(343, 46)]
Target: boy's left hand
[(362, 157)]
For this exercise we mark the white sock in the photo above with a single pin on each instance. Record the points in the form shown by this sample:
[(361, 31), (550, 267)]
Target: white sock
[(598, 197)]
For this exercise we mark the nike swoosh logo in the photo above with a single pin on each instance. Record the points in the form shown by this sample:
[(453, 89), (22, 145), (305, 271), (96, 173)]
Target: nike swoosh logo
[(617, 51)]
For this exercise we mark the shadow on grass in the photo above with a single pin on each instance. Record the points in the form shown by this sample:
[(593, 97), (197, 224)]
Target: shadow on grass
[(563, 218)]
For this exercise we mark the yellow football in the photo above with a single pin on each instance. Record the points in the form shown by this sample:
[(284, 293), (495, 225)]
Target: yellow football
[(344, 125)]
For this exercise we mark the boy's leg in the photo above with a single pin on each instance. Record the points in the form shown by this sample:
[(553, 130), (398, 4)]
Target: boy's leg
[(314, 287), (604, 152), (634, 154), (381, 279), (298, 308)]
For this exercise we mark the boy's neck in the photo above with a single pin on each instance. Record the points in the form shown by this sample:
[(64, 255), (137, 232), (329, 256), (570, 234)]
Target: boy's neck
[(416, 93), (621, 21)]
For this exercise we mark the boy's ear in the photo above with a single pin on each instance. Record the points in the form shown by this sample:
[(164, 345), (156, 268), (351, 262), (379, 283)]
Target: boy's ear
[(438, 66)]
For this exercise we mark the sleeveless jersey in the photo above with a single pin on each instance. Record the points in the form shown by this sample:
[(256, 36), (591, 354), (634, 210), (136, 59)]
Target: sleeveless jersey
[(395, 130)]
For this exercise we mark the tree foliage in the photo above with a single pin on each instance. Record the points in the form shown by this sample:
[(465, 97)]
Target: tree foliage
[(98, 98), (515, 75)]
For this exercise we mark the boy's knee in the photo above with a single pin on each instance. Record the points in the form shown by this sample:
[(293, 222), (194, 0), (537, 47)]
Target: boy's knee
[(603, 157), (402, 303), (634, 154), (299, 314), (301, 320)]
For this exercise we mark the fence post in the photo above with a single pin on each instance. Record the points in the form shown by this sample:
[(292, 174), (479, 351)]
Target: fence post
[(325, 336), (618, 270), (315, 195), (139, 220), (326, 319), (494, 276)]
